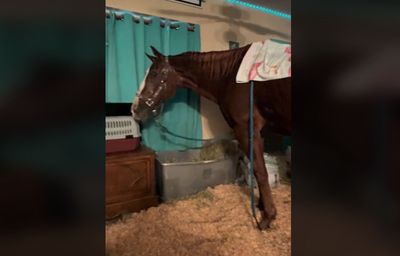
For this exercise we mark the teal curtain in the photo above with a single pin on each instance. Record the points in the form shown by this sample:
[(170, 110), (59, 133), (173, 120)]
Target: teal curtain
[(128, 38)]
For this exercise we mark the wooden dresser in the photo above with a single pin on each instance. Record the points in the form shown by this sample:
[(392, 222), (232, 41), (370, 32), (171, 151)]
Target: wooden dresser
[(130, 182)]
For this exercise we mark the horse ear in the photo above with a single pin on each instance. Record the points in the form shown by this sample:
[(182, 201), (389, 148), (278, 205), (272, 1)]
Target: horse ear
[(156, 52), (152, 58)]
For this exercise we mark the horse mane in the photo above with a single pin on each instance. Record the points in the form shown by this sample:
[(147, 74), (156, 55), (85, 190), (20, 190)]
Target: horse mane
[(215, 64)]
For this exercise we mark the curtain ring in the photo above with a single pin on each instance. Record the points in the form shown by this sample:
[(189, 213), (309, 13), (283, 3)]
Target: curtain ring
[(118, 16), (191, 27), (136, 19), (175, 25), (147, 20)]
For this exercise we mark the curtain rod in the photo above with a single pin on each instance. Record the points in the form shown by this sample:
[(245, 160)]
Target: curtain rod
[(146, 19)]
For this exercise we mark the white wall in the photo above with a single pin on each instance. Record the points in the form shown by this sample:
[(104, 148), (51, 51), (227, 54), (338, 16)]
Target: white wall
[(219, 22)]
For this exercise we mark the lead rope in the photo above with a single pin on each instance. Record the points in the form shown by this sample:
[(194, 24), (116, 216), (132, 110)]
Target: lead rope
[(164, 130), (251, 153)]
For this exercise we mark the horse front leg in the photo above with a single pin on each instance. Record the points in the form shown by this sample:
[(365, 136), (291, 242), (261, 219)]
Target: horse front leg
[(266, 203)]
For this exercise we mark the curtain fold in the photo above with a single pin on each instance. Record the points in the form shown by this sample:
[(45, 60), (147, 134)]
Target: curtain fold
[(128, 38)]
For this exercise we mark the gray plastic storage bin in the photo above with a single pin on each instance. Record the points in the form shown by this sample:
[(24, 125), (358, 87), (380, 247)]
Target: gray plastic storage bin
[(184, 177)]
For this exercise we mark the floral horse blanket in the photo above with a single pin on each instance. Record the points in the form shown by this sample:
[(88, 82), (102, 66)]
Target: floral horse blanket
[(264, 61)]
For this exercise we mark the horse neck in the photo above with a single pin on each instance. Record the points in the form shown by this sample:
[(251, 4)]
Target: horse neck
[(209, 73)]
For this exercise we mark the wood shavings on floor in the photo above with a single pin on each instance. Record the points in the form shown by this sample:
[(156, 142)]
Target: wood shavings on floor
[(216, 221)]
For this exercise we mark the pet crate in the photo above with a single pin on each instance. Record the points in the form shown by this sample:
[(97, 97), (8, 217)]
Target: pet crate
[(121, 127), (122, 134)]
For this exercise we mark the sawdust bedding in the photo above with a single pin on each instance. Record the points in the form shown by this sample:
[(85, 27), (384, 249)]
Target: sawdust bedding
[(216, 221)]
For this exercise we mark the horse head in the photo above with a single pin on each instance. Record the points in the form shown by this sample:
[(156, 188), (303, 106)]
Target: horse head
[(160, 84)]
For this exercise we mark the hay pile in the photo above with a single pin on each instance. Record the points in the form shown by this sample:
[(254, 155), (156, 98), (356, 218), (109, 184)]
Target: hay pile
[(216, 150), (216, 221)]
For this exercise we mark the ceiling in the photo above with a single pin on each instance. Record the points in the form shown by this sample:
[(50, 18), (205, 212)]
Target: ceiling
[(279, 5)]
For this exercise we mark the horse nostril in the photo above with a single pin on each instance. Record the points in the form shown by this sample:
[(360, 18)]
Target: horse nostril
[(134, 112)]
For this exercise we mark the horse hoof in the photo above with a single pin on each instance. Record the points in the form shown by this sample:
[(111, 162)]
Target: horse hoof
[(264, 224)]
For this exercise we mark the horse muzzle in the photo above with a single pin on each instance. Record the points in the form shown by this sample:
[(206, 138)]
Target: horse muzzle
[(136, 114), (142, 113)]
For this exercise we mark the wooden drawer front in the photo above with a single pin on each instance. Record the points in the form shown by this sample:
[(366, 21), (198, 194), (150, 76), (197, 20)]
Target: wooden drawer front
[(129, 179), (113, 210)]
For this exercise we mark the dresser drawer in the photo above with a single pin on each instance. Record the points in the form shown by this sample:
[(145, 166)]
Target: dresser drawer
[(136, 205), (129, 178)]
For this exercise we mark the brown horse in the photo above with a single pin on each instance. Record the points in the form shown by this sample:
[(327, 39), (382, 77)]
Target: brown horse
[(213, 75)]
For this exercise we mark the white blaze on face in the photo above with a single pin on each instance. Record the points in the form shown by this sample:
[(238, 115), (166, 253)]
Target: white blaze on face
[(135, 102)]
